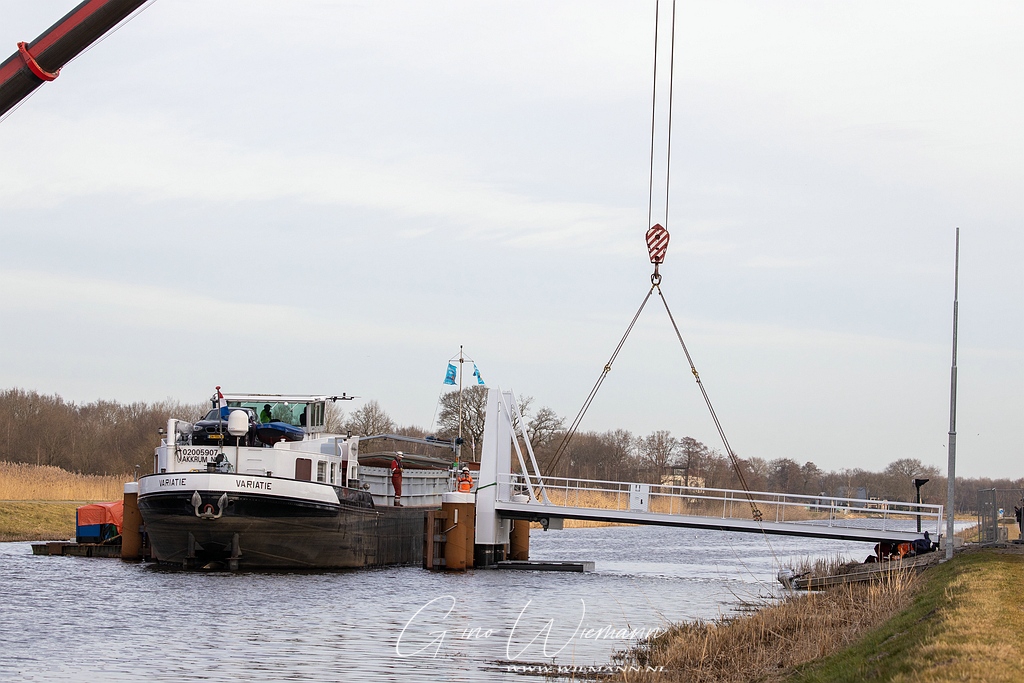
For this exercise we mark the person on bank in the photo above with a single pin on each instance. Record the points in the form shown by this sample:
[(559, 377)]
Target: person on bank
[(265, 416), (396, 477), (465, 480)]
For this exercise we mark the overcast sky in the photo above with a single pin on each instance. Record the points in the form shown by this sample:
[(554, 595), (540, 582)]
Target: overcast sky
[(315, 196)]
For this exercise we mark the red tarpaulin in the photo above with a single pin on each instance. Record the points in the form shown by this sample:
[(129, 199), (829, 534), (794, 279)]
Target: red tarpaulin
[(102, 513)]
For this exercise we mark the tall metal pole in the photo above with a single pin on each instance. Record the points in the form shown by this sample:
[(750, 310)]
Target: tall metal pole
[(951, 449), (461, 361)]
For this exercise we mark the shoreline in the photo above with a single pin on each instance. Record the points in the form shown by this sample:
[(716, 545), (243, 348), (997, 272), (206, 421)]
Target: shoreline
[(957, 620)]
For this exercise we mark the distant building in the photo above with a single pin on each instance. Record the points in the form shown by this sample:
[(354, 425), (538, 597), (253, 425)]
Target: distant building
[(860, 492), (695, 483)]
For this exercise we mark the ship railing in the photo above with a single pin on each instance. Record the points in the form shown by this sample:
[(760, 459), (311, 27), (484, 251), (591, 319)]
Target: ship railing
[(419, 487)]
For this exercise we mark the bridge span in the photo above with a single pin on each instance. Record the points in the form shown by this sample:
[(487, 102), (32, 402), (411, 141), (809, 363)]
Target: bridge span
[(503, 495), (849, 519)]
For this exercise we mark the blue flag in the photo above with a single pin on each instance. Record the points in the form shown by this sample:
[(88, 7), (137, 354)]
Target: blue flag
[(449, 377), (476, 373)]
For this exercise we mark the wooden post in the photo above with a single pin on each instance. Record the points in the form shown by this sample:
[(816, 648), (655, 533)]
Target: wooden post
[(460, 532), (519, 540), (131, 523)]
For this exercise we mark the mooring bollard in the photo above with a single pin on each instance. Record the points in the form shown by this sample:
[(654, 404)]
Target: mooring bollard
[(131, 523), (460, 533)]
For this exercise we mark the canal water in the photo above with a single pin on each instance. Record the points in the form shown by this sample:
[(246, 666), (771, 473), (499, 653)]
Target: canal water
[(79, 619)]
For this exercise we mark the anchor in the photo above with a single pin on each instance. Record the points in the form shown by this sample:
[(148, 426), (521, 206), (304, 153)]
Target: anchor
[(207, 510)]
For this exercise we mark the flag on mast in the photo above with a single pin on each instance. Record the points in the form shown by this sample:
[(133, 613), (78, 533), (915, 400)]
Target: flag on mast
[(222, 403), (449, 376), (476, 373)]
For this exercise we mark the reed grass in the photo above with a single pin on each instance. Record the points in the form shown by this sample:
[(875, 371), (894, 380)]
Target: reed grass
[(44, 482), (832, 565), (767, 644)]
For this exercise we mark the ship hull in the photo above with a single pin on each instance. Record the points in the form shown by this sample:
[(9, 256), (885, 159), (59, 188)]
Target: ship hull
[(211, 520)]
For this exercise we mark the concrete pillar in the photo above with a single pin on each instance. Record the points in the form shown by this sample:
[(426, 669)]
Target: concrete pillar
[(519, 540), (131, 537), (460, 530)]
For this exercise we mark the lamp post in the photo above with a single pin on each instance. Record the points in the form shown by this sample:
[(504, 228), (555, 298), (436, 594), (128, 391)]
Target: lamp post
[(918, 483)]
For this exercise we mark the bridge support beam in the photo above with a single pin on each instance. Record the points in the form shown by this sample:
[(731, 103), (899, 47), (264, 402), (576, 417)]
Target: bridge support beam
[(492, 531)]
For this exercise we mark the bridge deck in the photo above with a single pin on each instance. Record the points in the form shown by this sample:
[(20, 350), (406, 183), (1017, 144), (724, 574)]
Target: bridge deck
[(535, 512), (697, 507)]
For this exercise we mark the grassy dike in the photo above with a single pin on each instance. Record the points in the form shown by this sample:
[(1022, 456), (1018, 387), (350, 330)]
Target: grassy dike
[(42, 520), (958, 621), (965, 624)]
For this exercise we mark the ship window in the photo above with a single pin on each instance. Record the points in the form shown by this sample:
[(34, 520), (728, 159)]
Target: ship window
[(316, 414), (280, 411), (321, 471), (303, 468), (332, 472)]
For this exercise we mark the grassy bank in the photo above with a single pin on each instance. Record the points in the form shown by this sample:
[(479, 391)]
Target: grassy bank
[(37, 521), (960, 620), (964, 625), (38, 502)]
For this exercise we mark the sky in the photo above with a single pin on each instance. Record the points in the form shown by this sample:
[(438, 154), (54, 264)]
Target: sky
[(327, 197)]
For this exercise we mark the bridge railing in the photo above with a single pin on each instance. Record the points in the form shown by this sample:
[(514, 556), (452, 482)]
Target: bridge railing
[(702, 501)]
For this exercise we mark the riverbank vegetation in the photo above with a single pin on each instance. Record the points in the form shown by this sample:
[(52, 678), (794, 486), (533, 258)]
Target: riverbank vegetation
[(960, 621), (102, 437), (106, 437), (19, 481), (38, 502), (767, 644)]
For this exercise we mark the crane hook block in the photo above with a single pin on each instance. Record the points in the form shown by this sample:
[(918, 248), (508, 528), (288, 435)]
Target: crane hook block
[(657, 243), (33, 66)]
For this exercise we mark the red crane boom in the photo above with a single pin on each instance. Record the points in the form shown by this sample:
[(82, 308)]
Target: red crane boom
[(41, 60)]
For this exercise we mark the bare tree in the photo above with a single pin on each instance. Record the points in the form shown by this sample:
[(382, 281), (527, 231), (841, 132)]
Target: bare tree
[(718, 471), (784, 476), (897, 481), (474, 413), (544, 426), (692, 454), (658, 451), (758, 473), (334, 418), (811, 478), (369, 420)]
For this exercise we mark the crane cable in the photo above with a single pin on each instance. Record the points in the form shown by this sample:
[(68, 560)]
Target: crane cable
[(657, 243), (754, 511), (597, 385)]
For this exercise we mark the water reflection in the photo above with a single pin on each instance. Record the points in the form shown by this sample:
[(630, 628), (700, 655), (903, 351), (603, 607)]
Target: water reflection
[(77, 619)]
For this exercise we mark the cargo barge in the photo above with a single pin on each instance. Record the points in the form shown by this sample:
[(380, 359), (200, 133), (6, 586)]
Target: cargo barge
[(305, 504)]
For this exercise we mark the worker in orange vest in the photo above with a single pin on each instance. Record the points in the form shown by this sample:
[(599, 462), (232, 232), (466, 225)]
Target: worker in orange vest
[(396, 477), (465, 480)]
